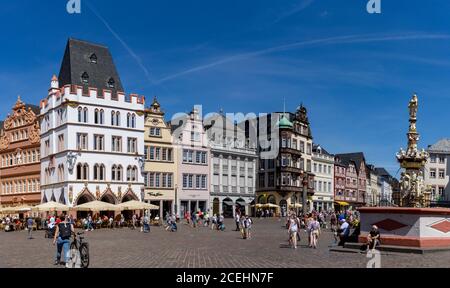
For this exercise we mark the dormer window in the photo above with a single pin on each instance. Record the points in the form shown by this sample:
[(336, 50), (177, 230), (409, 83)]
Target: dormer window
[(93, 59), (85, 78), (111, 83)]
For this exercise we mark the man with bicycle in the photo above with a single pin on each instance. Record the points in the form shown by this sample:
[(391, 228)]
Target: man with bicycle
[(64, 231)]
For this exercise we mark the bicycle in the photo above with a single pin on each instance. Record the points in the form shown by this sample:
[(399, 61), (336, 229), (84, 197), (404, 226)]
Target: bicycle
[(78, 245)]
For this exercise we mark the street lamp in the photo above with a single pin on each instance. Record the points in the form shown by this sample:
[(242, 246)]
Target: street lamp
[(305, 193), (176, 200)]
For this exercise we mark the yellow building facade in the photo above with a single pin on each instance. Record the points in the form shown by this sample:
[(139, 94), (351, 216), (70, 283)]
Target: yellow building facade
[(160, 175)]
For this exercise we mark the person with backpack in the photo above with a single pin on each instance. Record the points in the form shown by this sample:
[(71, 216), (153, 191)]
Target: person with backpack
[(30, 227), (248, 227), (64, 231)]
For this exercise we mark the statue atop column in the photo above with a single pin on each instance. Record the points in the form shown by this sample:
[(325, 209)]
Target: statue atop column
[(412, 161)]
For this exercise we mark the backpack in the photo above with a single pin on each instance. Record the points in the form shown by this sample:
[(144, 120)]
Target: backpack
[(65, 231)]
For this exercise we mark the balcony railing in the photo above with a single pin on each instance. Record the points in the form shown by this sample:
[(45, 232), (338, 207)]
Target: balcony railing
[(291, 169), (290, 151)]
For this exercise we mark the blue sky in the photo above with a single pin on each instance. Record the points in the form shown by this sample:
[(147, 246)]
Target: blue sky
[(354, 71)]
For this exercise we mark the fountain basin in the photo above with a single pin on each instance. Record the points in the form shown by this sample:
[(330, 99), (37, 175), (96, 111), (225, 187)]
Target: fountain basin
[(407, 227)]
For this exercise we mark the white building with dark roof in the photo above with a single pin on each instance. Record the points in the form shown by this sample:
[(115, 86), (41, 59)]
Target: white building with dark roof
[(323, 169), (92, 134), (437, 170)]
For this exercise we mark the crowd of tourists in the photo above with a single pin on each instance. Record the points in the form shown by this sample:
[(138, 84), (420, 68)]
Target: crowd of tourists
[(344, 224)]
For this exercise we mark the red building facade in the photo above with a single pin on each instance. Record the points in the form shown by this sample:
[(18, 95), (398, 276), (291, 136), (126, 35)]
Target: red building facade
[(20, 156), (350, 179)]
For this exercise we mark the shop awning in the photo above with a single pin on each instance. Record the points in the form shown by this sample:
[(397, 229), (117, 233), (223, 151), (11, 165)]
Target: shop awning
[(241, 202), (342, 203), (228, 202)]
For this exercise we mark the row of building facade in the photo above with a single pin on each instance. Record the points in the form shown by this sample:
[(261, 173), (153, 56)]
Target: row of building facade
[(88, 141)]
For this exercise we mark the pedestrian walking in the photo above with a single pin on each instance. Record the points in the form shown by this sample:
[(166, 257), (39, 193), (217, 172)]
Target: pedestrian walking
[(293, 228), (146, 223), (214, 222), (220, 224), (89, 223), (30, 227), (62, 236), (237, 220), (207, 220), (194, 220), (133, 221), (314, 230), (298, 222), (248, 227)]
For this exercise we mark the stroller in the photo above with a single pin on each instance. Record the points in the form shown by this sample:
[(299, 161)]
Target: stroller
[(173, 227)]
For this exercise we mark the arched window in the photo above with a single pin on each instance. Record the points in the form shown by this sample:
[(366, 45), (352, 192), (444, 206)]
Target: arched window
[(113, 118), (96, 117), (128, 120), (129, 174), (102, 172), (119, 173), (133, 121), (85, 172), (85, 115), (113, 173), (96, 170), (134, 174), (102, 117), (79, 171), (118, 118)]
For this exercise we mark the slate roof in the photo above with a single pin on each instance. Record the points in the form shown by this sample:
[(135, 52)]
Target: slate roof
[(77, 61), (325, 152), (356, 158), (442, 145), (382, 172)]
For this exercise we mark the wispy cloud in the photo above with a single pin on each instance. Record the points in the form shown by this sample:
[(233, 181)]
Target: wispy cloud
[(302, 5), (124, 44), (347, 39)]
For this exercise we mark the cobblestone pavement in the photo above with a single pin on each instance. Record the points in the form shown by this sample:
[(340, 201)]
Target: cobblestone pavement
[(201, 247)]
